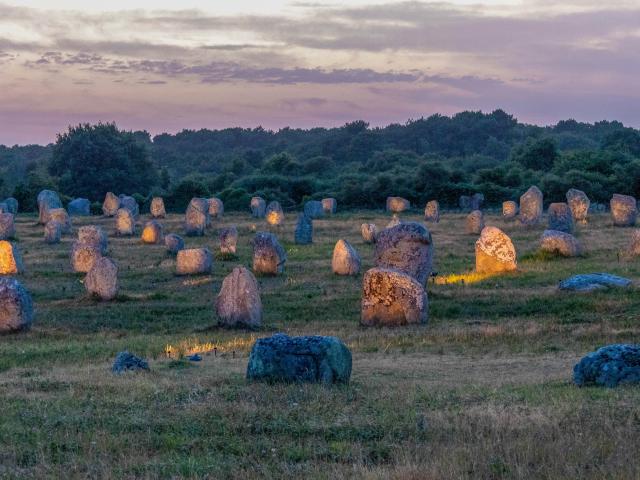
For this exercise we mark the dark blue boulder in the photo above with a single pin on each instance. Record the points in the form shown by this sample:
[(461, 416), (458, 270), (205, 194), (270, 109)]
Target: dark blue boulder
[(609, 366), (126, 361), (281, 358), (588, 282)]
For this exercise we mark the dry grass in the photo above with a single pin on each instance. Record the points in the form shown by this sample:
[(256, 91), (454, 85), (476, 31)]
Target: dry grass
[(483, 391)]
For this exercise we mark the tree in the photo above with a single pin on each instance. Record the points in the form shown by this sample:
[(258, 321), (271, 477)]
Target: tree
[(91, 160), (537, 155)]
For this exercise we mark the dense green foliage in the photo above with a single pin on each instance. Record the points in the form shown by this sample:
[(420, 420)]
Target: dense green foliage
[(436, 157)]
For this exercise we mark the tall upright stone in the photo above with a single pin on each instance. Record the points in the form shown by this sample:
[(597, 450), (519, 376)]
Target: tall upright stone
[(152, 233), (196, 218), (12, 205), (7, 226), (531, 206), (313, 209), (52, 232), (156, 208), (560, 217), (130, 204), (16, 306), (477, 200), (61, 216), (102, 279), (304, 230), (397, 204), (110, 205), (579, 204), (408, 248), (239, 303), (258, 207), (93, 235), (464, 202), (495, 252), (633, 249), (228, 240), (10, 259), (369, 232), (84, 256), (345, 260), (268, 255), (432, 211), (274, 215), (624, 210), (509, 210), (125, 223), (216, 208), (474, 223), (329, 205), (47, 200)]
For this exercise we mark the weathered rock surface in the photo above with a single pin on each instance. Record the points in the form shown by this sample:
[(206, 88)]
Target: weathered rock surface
[(12, 205), (560, 243), (395, 221), (130, 204), (634, 245), (152, 233), (495, 252), (609, 366), (314, 359), (313, 209), (474, 223), (174, 243), (52, 232), (588, 282), (194, 261), (127, 362), (579, 204), (229, 240), (238, 303), (531, 206), (7, 226), (93, 235), (274, 215), (560, 217), (509, 210), (329, 205), (102, 279), (16, 306), (47, 200), (392, 298), (79, 207), (258, 207), (477, 200), (345, 260), (216, 208), (304, 230), (369, 232), (407, 247), (268, 255), (432, 211), (84, 256), (61, 216), (623, 210), (196, 218), (111, 204), (397, 204), (125, 223), (156, 208), (10, 259)]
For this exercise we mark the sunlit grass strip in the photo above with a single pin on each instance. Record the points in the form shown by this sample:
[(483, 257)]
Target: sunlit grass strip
[(192, 346), (464, 278)]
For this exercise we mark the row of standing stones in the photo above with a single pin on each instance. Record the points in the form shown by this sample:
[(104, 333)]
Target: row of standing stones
[(393, 291)]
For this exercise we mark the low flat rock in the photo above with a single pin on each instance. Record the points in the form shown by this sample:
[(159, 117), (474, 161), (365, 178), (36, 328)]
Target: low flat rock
[(588, 282), (609, 366), (127, 362), (313, 359)]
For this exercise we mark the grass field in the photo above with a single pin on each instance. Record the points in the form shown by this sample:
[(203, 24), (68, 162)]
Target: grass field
[(483, 391)]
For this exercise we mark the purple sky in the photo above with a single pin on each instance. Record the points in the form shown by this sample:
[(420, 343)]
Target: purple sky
[(312, 64)]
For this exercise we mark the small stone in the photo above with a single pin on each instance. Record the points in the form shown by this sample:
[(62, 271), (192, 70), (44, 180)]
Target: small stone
[(52, 232), (313, 359), (47, 200), (474, 223), (313, 209), (216, 207), (560, 217), (304, 230), (10, 259), (495, 252), (329, 205), (84, 256), (93, 235), (397, 204), (560, 243), (623, 210), (174, 243), (258, 207), (268, 255), (432, 211), (125, 223), (509, 210), (152, 233), (274, 215), (110, 205), (531, 206), (579, 204), (79, 207), (588, 282), (156, 208), (238, 303), (228, 240), (194, 261), (16, 306), (7, 226), (407, 247), (609, 366), (127, 362), (346, 260), (102, 279), (369, 232), (60, 215)]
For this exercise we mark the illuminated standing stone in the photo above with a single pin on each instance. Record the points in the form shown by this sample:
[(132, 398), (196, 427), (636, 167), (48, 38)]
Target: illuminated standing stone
[(268, 255), (83, 256), (432, 211), (228, 240), (157, 209), (125, 223), (495, 252), (274, 215), (258, 207), (193, 261), (110, 205), (369, 232), (509, 210), (16, 306), (152, 233), (329, 205), (474, 223), (560, 217), (561, 243), (531, 206), (102, 279), (47, 200), (407, 248), (346, 260), (579, 204), (93, 235), (61, 216), (216, 207), (52, 232), (623, 210), (238, 303), (7, 226), (397, 204), (10, 259)]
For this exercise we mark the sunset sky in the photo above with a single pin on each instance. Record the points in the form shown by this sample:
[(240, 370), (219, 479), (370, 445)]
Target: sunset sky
[(215, 64)]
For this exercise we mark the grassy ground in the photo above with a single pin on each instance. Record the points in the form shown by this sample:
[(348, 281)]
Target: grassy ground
[(483, 391)]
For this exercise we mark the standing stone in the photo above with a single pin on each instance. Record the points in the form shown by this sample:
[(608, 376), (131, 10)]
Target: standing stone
[(464, 202), (329, 205), (238, 303), (16, 306), (93, 235), (61, 216), (531, 206), (47, 200), (579, 204), (346, 260), (623, 210), (477, 199), (313, 209), (193, 261), (560, 243), (83, 256), (79, 207), (509, 210), (560, 217), (432, 211), (7, 226), (110, 205), (152, 233), (10, 259), (12, 205), (196, 218), (130, 204), (216, 207), (495, 252), (52, 232), (304, 230), (268, 255), (275, 215), (474, 223), (157, 209), (392, 298), (228, 240), (174, 243), (407, 248), (312, 359), (125, 223), (397, 204), (634, 245), (102, 279), (258, 207), (369, 232)]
